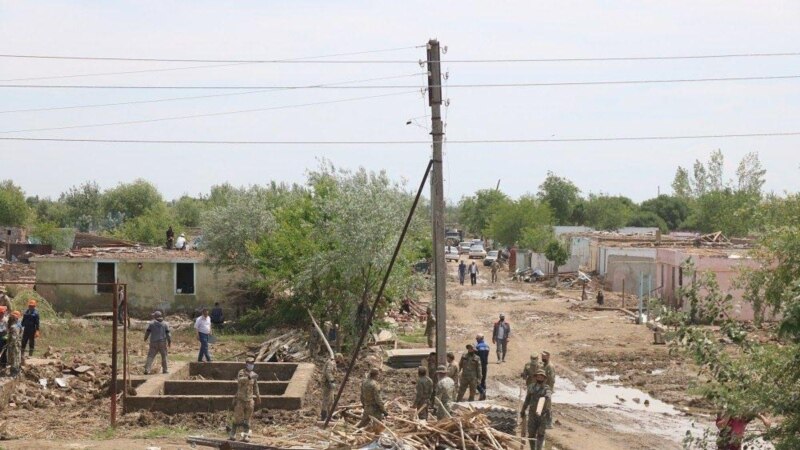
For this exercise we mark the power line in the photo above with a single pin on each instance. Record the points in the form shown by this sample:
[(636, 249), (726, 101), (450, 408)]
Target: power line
[(308, 61), (196, 116), (136, 102), (299, 59), (411, 142), (471, 86)]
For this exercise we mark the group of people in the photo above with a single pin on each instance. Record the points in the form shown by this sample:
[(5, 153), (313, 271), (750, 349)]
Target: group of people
[(18, 331), (473, 271), (172, 243)]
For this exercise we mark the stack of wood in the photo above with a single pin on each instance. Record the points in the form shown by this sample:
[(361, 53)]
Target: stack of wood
[(417, 313), (287, 347), (470, 430)]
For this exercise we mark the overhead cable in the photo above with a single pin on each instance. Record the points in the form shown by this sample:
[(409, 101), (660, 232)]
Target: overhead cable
[(471, 86), (411, 142)]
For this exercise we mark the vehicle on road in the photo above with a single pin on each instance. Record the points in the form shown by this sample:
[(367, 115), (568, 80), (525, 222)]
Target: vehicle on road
[(464, 247), (477, 251), (451, 253), (491, 257)]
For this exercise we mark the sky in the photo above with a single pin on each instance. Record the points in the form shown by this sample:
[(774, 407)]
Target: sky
[(469, 29)]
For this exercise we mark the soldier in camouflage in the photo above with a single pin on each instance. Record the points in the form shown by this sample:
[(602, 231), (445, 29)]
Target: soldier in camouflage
[(424, 393), (470, 373), (329, 383), (529, 372), (371, 399), (430, 327), (445, 393), (537, 422), (550, 380), (452, 368), (243, 405)]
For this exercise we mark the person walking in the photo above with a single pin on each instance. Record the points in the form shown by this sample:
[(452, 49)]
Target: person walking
[(530, 369), (536, 416), (470, 366), (452, 369), (329, 383), (371, 400), (482, 350), (424, 393), (495, 267), (550, 380), (243, 404), (500, 335), (445, 394), (600, 297), (203, 326), (14, 345), (473, 273), (3, 337), (217, 316), (462, 271), (160, 339), (430, 327), (30, 327)]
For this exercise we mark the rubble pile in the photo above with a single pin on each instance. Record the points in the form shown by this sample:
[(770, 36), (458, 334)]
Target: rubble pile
[(59, 384), (287, 347)]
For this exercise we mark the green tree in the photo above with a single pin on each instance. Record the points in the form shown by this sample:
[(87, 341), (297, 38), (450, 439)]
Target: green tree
[(562, 195), (513, 219), (605, 212), (750, 175), (557, 253), (83, 206), (672, 209), (647, 219), (14, 211), (131, 200), (147, 227), (47, 210), (728, 211), (681, 186), (188, 210), (476, 211)]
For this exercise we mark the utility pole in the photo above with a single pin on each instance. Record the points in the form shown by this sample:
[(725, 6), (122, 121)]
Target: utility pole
[(437, 198)]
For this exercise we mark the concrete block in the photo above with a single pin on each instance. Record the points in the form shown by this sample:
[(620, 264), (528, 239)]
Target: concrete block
[(216, 387)]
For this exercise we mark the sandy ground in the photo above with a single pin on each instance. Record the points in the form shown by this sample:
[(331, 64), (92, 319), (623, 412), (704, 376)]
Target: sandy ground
[(615, 389)]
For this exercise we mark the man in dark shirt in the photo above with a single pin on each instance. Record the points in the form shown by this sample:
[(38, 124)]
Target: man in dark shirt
[(217, 317)]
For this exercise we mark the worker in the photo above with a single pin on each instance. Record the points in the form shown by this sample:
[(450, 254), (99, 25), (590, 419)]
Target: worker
[(536, 422), (452, 369), (482, 350), (217, 316), (550, 379), (203, 326), (732, 428), (180, 243), (430, 362), (5, 300), (430, 327), (405, 306), (473, 273), (600, 297), (3, 337), (160, 339), (30, 327), (170, 238), (371, 399), (424, 393), (495, 267), (14, 345), (470, 365), (329, 383), (462, 272), (500, 334), (243, 404), (445, 393), (529, 372)]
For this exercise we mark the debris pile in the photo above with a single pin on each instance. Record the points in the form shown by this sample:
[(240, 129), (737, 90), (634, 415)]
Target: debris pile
[(59, 384), (287, 347), (469, 430)]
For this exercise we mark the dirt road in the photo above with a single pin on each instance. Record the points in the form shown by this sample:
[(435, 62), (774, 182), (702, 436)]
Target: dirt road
[(611, 378)]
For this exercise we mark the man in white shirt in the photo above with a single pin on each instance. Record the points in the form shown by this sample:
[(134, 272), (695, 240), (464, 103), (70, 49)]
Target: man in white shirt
[(180, 244), (203, 326)]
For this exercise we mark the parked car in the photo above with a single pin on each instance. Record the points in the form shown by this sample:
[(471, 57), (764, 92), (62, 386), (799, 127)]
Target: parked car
[(491, 257), (451, 253), (464, 247), (477, 251)]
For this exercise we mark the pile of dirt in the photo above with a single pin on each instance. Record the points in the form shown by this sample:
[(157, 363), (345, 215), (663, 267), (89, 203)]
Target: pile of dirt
[(59, 384)]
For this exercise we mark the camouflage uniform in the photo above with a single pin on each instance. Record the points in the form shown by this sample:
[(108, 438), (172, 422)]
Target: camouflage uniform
[(550, 373), (371, 402), (537, 424), (424, 395), (452, 372), (328, 387), (445, 393), (430, 330), (247, 386), (529, 372), (14, 347), (470, 375)]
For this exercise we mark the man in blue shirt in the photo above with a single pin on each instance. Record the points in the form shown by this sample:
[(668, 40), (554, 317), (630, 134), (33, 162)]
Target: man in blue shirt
[(482, 350), (30, 327)]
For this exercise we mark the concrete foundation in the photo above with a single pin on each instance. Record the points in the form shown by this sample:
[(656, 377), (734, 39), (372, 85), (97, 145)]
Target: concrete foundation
[(282, 386)]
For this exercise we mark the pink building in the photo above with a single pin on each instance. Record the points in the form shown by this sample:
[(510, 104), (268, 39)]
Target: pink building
[(725, 263)]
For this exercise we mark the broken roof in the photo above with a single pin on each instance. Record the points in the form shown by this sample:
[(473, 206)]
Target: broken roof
[(89, 240), (137, 253)]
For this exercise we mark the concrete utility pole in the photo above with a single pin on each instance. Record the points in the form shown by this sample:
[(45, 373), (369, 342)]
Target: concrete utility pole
[(437, 198)]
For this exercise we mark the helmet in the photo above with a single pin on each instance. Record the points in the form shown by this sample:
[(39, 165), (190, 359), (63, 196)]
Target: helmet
[(540, 372)]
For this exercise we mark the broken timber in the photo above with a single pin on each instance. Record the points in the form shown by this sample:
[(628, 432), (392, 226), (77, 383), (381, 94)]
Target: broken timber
[(223, 444)]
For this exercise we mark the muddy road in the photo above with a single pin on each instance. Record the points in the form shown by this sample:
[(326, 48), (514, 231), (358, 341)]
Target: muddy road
[(614, 388)]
